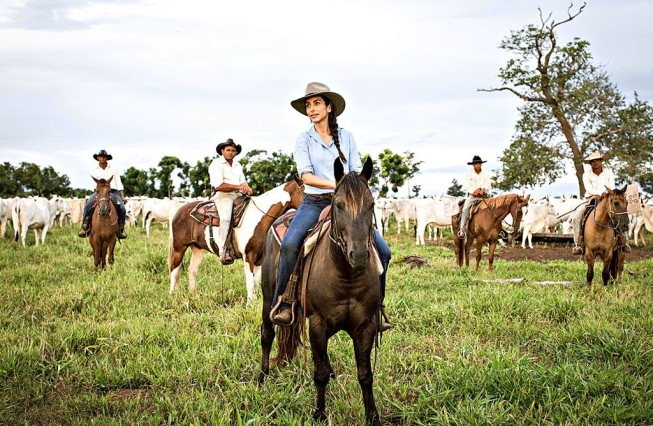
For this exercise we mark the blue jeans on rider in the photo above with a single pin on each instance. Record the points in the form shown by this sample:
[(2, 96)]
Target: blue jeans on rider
[(306, 216), (122, 212)]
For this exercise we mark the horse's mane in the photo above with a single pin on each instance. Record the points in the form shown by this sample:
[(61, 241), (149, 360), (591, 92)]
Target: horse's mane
[(500, 200), (356, 188)]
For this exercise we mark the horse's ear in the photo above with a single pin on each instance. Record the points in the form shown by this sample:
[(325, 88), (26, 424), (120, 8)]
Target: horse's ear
[(525, 200), (96, 181), (368, 169), (110, 179), (338, 169), (624, 188), (610, 191), (298, 180)]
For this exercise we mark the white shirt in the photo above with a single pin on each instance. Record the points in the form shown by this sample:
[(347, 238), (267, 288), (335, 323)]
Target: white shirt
[(221, 172), (595, 184), (474, 180), (107, 173)]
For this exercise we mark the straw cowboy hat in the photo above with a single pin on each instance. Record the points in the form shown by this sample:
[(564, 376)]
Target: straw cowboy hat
[(476, 160), (319, 89), (103, 153), (228, 142), (596, 155)]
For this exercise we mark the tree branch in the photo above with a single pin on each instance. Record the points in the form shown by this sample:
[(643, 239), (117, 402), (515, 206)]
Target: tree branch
[(518, 94)]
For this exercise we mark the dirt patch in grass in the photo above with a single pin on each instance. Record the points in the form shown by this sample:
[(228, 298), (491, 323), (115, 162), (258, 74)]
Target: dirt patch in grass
[(543, 252)]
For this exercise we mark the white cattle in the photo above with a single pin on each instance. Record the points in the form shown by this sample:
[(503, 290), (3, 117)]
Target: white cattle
[(75, 209), (381, 214), (640, 222), (435, 211), (403, 209), (161, 210), (63, 212), (539, 218), (136, 204), (565, 208), (156, 209), (6, 206), (33, 213)]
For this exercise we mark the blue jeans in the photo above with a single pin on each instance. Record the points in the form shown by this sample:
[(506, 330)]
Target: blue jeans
[(122, 212), (468, 203), (306, 216)]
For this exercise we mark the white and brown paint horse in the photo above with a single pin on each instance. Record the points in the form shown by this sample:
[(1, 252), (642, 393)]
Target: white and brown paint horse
[(248, 238)]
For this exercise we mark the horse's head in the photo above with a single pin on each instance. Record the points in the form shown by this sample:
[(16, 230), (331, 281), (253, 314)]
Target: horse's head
[(103, 195), (296, 190), (618, 209), (352, 213), (517, 212)]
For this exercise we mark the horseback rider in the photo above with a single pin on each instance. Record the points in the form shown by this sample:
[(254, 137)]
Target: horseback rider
[(595, 180), (477, 185), (227, 183), (315, 152), (106, 171)]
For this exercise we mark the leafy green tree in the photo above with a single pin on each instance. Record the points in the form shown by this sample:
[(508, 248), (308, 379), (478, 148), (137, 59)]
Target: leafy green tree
[(413, 170), (394, 172), (199, 179), (456, 189), (264, 173), (184, 180), (167, 166), (135, 182), (9, 185), (571, 108)]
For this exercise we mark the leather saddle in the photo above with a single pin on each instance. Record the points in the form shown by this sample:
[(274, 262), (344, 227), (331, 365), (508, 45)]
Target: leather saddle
[(206, 212)]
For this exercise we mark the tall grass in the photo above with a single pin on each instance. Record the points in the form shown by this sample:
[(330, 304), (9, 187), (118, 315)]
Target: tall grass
[(79, 347)]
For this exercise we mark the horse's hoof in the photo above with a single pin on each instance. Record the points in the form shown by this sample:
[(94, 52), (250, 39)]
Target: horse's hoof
[(320, 416)]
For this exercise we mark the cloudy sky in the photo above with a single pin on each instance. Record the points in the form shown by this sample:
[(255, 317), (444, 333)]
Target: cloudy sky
[(144, 79)]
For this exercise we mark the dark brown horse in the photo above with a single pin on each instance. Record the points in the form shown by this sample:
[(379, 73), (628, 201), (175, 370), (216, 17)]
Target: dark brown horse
[(341, 290), (249, 237), (486, 225), (104, 224), (602, 229)]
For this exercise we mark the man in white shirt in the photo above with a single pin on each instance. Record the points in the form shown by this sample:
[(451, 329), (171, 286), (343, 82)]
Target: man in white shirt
[(227, 183), (595, 180), (106, 171), (477, 185)]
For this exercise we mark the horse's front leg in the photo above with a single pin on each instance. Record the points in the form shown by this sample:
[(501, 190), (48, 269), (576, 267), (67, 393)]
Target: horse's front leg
[(490, 257), (196, 255), (589, 259), (112, 246), (363, 343), (322, 366), (607, 260), (267, 338), (479, 250)]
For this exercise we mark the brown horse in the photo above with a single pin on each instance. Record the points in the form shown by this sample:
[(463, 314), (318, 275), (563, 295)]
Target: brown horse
[(485, 226), (249, 237), (341, 290), (104, 224), (602, 230)]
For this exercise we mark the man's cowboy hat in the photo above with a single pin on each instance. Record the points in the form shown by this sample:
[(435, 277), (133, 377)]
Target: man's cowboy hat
[(229, 142), (596, 155), (476, 160), (103, 153), (319, 89)]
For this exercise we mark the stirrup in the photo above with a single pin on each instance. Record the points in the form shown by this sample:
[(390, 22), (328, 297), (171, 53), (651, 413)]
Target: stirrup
[(577, 250), (276, 310), (384, 324)]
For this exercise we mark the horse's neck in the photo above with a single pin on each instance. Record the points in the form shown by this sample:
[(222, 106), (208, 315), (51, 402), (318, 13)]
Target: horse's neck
[(602, 210)]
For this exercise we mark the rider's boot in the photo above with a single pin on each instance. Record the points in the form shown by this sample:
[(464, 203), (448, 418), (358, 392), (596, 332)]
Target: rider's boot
[(121, 230), (578, 249), (385, 323), (83, 233)]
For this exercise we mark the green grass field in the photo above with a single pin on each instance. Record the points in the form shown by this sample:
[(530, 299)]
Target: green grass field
[(79, 347)]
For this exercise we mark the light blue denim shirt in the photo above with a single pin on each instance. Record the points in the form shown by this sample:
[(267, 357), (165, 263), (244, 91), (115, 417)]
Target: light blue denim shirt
[(311, 155)]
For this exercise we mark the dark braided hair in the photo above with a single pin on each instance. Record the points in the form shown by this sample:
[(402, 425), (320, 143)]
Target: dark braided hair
[(333, 128)]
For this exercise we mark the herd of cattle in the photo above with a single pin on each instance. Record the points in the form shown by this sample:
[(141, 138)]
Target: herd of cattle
[(429, 215)]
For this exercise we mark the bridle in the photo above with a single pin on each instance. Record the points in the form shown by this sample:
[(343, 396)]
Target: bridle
[(614, 221), (104, 208), (336, 236), (503, 221), (299, 188)]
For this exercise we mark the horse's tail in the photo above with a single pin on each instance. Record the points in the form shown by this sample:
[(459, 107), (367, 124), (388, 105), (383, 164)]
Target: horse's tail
[(289, 339)]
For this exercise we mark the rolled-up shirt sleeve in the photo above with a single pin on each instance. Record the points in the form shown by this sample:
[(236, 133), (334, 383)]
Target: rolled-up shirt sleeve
[(302, 156)]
